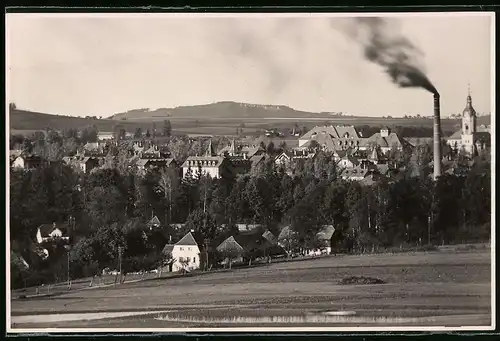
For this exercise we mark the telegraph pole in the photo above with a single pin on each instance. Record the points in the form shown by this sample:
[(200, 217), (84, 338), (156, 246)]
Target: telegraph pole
[(169, 200), (68, 269), (120, 262)]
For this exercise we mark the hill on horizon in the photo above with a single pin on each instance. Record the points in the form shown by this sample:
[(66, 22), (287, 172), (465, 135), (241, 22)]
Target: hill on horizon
[(222, 118), (226, 109)]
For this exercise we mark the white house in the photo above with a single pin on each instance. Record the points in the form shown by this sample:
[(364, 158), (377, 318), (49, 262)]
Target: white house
[(47, 232), (185, 252)]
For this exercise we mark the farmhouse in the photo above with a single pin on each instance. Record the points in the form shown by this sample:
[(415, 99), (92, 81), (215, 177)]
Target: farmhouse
[(153, 223), (48, 232), (324, 237), (26, 162), (248, 245), (287, 239), (185, 253)]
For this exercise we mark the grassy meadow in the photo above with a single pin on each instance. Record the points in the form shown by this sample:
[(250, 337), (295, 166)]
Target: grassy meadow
[(438, 283)]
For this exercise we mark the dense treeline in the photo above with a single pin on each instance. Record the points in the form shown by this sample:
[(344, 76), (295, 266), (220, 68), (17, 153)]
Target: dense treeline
[(109, 208)]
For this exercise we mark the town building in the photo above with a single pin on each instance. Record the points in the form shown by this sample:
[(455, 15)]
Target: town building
[(386, 140), (242, 150), (82, 163), (469, 138), (357, 173), (93, 148), (286, 157), (209, 164), (145, 164), (105, 135), (330, 138), (338, 138)]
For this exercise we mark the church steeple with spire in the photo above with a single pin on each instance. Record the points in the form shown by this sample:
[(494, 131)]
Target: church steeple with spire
[(210, 149), (469, 124)]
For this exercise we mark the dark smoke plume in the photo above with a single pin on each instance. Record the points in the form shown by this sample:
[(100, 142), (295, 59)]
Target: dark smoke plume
[(396, 54)]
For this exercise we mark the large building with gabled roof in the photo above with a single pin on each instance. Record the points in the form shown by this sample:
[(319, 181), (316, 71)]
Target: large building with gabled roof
[(209, 164), (338, 138)]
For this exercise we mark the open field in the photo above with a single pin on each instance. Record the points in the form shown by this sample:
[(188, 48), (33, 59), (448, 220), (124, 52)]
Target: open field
[(442, 287), (27, 121)]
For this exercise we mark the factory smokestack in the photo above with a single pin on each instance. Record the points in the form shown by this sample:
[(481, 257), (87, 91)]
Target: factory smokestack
[(437, 138), (401, 61)]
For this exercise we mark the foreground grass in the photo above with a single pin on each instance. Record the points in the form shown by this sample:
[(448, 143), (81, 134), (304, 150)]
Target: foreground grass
[(422, 284)]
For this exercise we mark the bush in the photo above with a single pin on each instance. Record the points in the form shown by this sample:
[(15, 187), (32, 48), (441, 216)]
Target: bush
[(356, 280)]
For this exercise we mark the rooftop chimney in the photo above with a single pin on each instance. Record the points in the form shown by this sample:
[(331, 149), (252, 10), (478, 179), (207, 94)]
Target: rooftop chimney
[(170, 239), (437, 138)]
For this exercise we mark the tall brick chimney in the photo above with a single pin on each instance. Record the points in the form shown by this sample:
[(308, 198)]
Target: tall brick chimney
[(437, 138)]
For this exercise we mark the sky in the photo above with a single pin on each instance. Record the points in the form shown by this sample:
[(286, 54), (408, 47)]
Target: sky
[(99, 65)]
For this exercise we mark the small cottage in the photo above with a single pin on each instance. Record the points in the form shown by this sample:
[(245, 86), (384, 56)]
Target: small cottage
[(48, 232)]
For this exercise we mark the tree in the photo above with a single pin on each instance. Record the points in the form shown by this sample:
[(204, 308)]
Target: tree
[(89, 134), (356, 210), (105, 205), (119, 132), (305, 223), (167, 128), (168, 183), (314, 145), (271, 150), (138, 133)]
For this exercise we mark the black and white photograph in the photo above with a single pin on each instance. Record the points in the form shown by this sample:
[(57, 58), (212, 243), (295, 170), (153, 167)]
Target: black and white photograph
[(203, 172)]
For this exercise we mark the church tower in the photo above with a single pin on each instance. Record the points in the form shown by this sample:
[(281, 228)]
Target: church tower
[(469, 126)]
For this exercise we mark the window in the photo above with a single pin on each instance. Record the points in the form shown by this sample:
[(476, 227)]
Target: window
[(189, 249), (194, 259), (181, 259), (182, 249), (188, 259)]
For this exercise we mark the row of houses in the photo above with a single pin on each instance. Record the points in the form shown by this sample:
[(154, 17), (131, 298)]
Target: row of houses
[(251, 242), (358, 158), (246, 245)]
